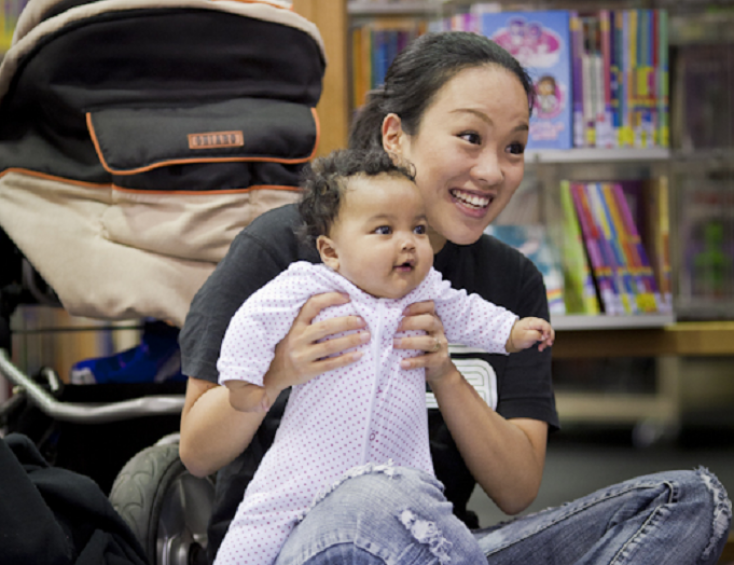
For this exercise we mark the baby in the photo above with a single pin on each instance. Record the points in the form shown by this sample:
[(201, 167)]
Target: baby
[(367, 219)]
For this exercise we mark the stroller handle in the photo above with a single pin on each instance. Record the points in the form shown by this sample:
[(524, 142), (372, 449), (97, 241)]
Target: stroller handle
[(89, 413)]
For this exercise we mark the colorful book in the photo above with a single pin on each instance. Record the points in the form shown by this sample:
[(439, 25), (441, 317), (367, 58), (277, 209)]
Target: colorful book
[(662, 87), (589, 80), (604, 127), (619, 92), (578, 289), (601, 270), (577, 49), (540, 41), (648, 295), (609, 247)]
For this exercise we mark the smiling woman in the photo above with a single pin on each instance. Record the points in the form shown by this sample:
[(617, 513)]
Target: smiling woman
[(456, 106)]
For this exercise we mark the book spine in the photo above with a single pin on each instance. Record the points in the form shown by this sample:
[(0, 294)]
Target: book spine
[(618, 91), (579, 292), (602, 271), (577, 79), (649, 296), (588, 82), (662, 80), (610, 249), (659, 228), (605, 28)]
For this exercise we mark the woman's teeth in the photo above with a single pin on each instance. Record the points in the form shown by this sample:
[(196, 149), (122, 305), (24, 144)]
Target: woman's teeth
[(471, 199)]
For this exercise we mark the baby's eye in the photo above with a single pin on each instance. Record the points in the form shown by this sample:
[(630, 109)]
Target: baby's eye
[(516, 148), (472, 137), (383, 230), (419, 229)]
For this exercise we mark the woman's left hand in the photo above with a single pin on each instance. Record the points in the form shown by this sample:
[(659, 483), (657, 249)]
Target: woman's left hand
[(436, 360)]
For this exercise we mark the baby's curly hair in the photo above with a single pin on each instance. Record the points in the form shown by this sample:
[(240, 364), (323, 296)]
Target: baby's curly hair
[(325, 180)]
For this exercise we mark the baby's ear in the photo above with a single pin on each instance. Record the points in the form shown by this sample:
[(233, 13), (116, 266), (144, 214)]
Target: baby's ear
[(328, 253)]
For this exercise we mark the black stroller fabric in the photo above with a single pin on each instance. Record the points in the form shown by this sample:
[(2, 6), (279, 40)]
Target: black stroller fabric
[(51, 516)]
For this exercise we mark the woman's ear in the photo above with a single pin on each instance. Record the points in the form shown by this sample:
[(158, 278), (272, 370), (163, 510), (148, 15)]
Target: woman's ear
[(392, 134), (328, 253)]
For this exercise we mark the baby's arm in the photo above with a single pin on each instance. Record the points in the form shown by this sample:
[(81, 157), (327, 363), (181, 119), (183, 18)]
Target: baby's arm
[(248, 397), (528, 331)]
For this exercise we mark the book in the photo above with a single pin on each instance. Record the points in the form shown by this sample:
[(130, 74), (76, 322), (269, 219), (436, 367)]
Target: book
[(579, 138), (604, 126), (600, 268), (647, 202), (540, 41), (578, 285), (661, 78), (630, 245), (610, 250), (533, 241)]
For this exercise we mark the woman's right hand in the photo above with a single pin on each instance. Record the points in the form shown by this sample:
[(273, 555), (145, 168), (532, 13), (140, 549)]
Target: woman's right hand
[(304, 353), (213, 433)]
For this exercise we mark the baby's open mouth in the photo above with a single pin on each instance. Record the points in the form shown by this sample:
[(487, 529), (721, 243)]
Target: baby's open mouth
[(407, 266), (471, 200)]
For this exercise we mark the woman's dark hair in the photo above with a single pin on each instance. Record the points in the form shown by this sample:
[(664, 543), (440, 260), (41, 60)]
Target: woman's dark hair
[(325, 180), (418, 72)]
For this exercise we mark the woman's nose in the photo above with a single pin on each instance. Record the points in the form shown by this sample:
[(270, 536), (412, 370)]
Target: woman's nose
[(488, 169)]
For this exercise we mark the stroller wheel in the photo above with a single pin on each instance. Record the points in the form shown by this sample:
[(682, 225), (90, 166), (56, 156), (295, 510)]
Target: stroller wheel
[(167, 508)]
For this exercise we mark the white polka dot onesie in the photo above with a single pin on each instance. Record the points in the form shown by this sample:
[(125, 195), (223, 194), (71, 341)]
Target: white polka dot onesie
[(369, 411)]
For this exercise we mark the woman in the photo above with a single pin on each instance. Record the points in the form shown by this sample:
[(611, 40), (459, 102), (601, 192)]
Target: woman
[(457, 106)]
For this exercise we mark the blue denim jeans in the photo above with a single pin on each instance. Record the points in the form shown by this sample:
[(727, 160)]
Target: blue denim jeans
[(400, 517)]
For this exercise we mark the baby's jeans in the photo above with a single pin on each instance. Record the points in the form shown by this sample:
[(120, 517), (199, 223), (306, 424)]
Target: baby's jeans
[(675, 518)]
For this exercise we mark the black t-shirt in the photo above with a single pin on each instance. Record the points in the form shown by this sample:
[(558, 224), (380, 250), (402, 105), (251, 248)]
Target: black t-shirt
[(521, 381)]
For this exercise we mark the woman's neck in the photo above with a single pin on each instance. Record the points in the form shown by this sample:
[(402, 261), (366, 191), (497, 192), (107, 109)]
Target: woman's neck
[(437, 240)]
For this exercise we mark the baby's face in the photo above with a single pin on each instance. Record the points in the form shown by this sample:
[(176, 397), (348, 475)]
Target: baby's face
[(380, 236)]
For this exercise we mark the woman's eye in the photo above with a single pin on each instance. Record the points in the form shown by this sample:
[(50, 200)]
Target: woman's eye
[(516, 148), (420, 230), (383, 230), (471, 137)]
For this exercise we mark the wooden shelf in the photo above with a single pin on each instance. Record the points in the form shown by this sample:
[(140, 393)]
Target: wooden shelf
[(597, 155), (364, 8), (681, 338), (601, 322)]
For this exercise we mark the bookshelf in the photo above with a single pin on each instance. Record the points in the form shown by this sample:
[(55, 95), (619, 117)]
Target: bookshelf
[(672, 339), (597, 155)]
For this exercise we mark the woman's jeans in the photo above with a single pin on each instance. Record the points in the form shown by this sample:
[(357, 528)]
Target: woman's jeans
[(382, 515)]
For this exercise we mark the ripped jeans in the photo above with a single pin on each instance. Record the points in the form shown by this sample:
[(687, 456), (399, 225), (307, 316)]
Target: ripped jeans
[(402, 518)]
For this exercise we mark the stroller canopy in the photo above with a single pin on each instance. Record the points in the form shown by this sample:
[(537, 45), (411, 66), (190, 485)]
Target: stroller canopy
[(138, 137)]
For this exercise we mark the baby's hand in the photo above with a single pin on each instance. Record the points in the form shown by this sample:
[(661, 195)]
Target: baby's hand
[(528, 331)]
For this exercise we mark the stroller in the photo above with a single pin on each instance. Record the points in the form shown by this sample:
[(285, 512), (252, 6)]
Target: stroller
[(137, 138)]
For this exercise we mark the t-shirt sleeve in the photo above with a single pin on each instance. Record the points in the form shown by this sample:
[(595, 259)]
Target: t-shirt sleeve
[(257, 255)]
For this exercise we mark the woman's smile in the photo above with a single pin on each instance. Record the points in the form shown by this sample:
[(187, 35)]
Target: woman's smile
[(475, 202)]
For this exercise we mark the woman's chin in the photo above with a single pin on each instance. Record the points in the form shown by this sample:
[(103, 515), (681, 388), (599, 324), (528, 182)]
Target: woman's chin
[(465, 236)]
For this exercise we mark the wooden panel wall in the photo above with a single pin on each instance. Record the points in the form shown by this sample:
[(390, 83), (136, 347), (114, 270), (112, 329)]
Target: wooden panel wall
[(330, 16)]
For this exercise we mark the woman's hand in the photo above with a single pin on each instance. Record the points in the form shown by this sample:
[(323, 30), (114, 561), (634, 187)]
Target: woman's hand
[(436, 360), (304, 353)]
